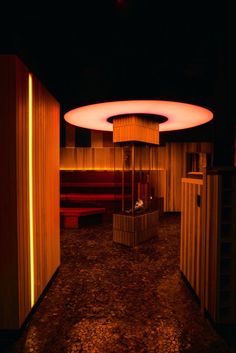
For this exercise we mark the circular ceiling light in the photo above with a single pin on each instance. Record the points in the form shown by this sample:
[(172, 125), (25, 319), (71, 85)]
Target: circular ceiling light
[(178, 115)]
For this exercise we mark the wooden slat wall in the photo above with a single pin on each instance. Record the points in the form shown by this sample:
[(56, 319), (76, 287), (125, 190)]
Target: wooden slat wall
[(175, 165), (15, 303), (190, 247), (45, 185), (208, 244), (199, 245), (135, 128), (170, 158), (22, 163)]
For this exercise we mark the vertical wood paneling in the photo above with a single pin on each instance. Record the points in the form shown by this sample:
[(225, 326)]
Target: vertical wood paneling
[(198, 243), (22, 164), (182, 232), (209, 263), (174, 161), (190, 259), (15, 293), (135, 128), (46, 185)]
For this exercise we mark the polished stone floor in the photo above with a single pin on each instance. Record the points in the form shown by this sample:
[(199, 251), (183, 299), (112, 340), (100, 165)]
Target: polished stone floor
[(108, 298)]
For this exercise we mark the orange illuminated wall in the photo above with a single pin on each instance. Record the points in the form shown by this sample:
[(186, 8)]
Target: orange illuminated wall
[(29, 189)]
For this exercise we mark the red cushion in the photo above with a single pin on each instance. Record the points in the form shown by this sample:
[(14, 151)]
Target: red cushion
[(92, 197), (89, 184), (81, 211)]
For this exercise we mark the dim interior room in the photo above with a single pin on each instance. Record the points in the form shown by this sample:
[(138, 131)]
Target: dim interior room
[(118, 182)]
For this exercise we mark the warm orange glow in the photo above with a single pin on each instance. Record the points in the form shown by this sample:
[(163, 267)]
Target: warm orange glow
[(102, 169), (31, 212), (95, 168), (180, 115)]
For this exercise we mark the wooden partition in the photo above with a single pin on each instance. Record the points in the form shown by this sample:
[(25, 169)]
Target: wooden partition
[(29, 188), (191, 223), (208, 243), (45, 185), (175, 162)]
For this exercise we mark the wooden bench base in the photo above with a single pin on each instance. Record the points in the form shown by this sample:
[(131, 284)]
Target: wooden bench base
[(133, 230), (70, 217)]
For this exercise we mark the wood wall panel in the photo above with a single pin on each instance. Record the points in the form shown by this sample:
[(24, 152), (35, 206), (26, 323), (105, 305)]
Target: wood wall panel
[(22, 163), (208, 243), (175, 162), (45, 185), (15, 289), (135, 128), (190, 246)]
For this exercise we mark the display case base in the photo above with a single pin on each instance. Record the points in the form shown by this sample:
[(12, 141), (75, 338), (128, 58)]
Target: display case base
[(132, 230)]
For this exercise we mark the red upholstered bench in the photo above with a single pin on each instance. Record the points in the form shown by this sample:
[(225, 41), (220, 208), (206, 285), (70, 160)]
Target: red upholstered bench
[(70, 216), (92, 197), (93, 184)]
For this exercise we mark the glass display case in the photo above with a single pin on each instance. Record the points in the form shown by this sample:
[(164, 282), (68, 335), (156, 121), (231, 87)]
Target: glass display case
[(136, 215)]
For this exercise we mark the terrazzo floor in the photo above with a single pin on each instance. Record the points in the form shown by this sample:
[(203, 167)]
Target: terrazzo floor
[(108, 298)]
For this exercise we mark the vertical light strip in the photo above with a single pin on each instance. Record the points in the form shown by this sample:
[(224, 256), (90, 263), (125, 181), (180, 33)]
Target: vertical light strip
[(31, 213)]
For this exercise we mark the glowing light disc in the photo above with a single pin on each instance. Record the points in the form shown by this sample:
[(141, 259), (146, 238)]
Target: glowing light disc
[(179, 115)]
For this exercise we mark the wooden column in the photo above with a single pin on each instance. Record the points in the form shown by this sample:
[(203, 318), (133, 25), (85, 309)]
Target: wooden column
[(135, 128), (132, 227)]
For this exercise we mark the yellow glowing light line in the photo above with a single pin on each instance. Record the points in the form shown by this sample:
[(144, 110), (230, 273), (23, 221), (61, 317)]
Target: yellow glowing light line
[(31, 216)]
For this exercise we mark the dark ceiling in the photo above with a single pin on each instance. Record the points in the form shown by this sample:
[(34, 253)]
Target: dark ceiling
[(127, 49)]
